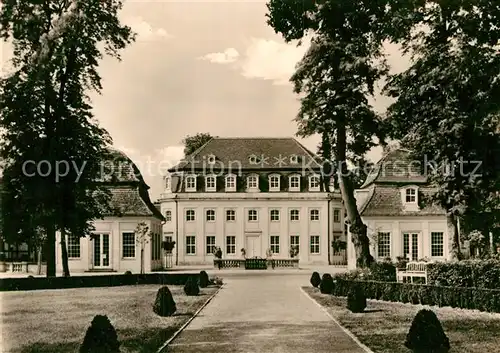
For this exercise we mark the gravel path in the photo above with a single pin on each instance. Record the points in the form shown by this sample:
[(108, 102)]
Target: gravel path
[(263, 314)]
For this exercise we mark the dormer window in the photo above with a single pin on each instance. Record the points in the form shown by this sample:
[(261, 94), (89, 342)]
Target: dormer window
[(211, 159), (294, 159), (210, 183), (314, 183), (411, 195), (409, 198), (294, 183), (253, 182), (191, 183), (274, 182), (231, 182), (168, 184)]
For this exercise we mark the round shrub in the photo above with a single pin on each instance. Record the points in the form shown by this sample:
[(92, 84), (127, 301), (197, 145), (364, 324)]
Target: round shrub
[(204, 281), (356, 300), (426, 334), (164, 304), (191, 287), (100, 337), (128, 273), (315, 279), (326, 285)]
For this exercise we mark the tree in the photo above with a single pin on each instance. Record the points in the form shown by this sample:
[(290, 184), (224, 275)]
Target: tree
[(334, 78), (47, 116), (446, 105), (192, 143), (142, 237)]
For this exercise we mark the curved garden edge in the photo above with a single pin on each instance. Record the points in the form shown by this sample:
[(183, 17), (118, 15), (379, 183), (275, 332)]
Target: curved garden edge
[(176, 333), (384, 325)]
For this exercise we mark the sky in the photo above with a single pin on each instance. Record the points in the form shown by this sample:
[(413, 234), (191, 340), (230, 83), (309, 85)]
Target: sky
[(200, 66)]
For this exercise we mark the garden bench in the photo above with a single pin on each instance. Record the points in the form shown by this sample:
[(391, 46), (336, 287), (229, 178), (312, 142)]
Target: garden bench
[(413, 270)]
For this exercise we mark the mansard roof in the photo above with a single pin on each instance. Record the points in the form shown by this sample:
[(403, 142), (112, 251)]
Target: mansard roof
[(396, 167), (386, 201), (273, 153), (129, 191)]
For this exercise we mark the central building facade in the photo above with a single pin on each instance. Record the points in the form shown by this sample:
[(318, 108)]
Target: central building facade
[(251, 196)]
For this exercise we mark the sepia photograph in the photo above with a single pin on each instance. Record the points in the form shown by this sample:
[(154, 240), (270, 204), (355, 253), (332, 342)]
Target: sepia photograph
[(249, 176)]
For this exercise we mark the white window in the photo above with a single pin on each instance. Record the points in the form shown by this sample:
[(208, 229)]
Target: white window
[(274, 183), (211, 159), (252, 215), (294, 215), (231, 183), (190, 215), (191, 183), (384, 245), (230, 244), (253, 182), (167, 183), (411, 195), (128, 245), (314, 183), (210, 244), (294, 183), (210, 183), (314, 215), (437, 244), (275, 244), (73, 246), (410, 246), (295, 241), (168, 216), (210, 215), (230, 215), (190, 245), (336, 215), (314, 244), (275, 215)]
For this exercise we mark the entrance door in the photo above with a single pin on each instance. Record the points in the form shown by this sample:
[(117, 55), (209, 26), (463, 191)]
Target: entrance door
[(101, 251), (253, 246), (410, 246)]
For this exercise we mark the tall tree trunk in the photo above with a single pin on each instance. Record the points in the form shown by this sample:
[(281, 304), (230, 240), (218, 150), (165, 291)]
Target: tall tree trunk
[(357, 228), (39, 259), (326, 149), (64, 253), (50, 245), (453, 236)]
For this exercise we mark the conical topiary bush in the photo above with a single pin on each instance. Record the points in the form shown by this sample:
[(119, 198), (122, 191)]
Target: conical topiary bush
[(100, 337), (191, 287), (315, 279), (164, 304), (204, 280), (326, 285), (356, 300), (426, 334)]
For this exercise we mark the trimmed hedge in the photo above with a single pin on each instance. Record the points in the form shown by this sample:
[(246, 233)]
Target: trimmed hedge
[(467, 273), (465, 298), (13, 284)]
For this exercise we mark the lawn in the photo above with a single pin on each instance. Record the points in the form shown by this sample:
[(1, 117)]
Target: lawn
[(56, 320), (383, 327)]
